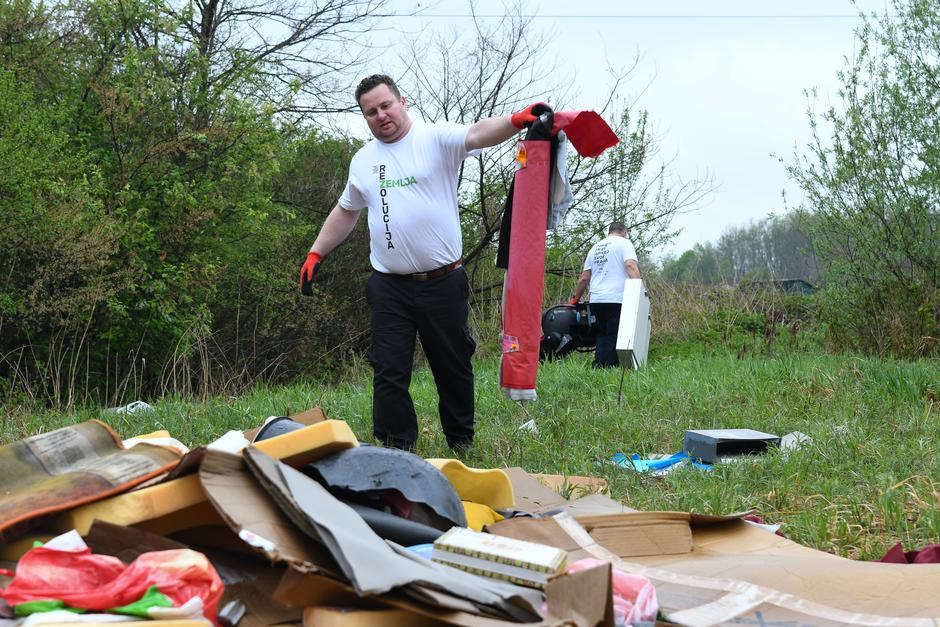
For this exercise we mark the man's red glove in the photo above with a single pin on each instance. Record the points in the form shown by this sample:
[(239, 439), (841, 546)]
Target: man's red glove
[(308, 272), (530, 114), (573, 300)]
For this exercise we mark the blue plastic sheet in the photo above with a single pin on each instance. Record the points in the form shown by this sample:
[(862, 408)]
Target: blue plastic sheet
[(657, 466)]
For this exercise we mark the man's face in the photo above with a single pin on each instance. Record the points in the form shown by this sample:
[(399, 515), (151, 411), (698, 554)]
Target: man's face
[(386, 114)]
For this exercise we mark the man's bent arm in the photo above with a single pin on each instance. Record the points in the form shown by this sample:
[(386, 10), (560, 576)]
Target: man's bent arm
[(633, 270), (490, 132), (583, 283), (336, 228)]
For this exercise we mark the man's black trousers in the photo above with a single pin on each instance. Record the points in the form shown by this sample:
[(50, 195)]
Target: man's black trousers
[(607, 317), (436, 311)]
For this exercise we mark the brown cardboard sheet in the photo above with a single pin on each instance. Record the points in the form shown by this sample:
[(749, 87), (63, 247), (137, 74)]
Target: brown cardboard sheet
[(250, 512), (368, 562), (641, 533), (797, 578), (741, 574), (572, 486), (542, 494), (531, 494), (630, 534)]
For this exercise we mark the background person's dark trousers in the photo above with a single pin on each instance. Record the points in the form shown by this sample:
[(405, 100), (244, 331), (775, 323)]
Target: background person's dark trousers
[(607, 316), (435, 310)]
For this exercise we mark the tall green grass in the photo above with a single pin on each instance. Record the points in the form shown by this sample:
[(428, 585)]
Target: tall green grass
[(870, 478)]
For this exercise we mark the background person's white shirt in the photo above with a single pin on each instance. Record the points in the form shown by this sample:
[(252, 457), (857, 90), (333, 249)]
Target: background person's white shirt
[(606, 261), (410, 190)]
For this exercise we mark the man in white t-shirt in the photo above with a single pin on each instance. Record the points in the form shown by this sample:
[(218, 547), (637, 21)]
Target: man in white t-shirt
[(407, 178), (608, 264)]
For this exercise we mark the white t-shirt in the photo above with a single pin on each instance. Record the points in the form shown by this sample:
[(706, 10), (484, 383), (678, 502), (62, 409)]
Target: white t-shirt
[(410, 190), (606, 262)]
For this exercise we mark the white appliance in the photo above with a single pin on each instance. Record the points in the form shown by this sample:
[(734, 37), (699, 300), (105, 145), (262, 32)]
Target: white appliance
[(633, 336)]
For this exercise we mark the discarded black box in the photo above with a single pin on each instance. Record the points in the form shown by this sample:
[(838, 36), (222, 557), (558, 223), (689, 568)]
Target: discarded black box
[(709, 445)]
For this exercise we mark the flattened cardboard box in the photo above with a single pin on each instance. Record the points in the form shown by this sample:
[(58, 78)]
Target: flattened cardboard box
[(741, 574)]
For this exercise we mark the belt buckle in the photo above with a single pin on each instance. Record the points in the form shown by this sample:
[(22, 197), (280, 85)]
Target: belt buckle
[(420, 276)]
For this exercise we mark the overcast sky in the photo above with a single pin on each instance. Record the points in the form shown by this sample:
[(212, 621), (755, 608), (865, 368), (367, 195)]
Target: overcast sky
[(723, 82)]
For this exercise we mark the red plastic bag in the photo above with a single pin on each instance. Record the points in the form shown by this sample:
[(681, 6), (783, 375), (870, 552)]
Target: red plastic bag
[(100, 582)]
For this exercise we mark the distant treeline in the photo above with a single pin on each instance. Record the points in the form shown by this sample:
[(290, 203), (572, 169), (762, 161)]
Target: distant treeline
[(773, 248)]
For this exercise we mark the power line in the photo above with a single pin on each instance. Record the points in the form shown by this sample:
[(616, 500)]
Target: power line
[(640, 17)]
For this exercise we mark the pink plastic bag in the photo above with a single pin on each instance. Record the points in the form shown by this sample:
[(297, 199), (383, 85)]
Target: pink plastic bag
[(100, 582), (634, 595)]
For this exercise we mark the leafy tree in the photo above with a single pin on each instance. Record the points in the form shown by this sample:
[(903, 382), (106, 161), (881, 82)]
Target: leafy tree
[(873, 187), (144, 140)]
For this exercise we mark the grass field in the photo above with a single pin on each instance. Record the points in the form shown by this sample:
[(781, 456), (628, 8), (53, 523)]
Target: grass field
[(871, 477)]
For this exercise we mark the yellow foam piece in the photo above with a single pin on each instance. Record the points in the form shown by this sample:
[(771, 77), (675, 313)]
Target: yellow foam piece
[(479, 515), (309, 443), (133, 507), (163, 433), (488, 486)]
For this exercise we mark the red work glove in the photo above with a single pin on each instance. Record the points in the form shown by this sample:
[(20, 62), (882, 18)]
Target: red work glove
[(308, 272), (527, 116), (573, 300)]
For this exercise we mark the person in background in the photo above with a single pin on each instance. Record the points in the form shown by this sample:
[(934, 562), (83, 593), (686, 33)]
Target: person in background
[(407, 179), (608, 264)]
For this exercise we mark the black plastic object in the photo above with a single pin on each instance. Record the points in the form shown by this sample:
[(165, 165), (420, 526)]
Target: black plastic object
[(566, 329), (395, 528), (711, 445), (276, 427), (371, 469), (541, 128)]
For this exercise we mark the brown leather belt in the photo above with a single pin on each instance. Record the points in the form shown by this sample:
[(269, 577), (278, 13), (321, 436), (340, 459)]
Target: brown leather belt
[(433, 274)]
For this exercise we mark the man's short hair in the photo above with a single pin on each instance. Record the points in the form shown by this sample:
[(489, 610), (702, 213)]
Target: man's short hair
[(371, 82), (617, 227)]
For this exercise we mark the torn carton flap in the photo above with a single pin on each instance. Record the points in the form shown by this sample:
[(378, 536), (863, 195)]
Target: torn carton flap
[(531, 494), (542, 494), (252, 514)]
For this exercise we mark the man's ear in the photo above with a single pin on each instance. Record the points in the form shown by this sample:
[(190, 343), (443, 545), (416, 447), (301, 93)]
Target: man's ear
[(403, 103)]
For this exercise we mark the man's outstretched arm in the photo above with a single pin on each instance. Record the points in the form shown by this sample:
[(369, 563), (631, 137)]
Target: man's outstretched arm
[(336, 228), (490, 132)]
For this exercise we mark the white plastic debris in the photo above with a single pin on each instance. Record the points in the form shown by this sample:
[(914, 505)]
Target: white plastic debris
[(167, 442), (230, 442), (794, 440), (131, 408), (529, 426)]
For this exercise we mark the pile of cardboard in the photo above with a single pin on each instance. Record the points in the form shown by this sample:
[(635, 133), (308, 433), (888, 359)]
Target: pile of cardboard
[(290, 552)]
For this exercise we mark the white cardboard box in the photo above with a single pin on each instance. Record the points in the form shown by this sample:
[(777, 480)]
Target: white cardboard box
[(633, 336)]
